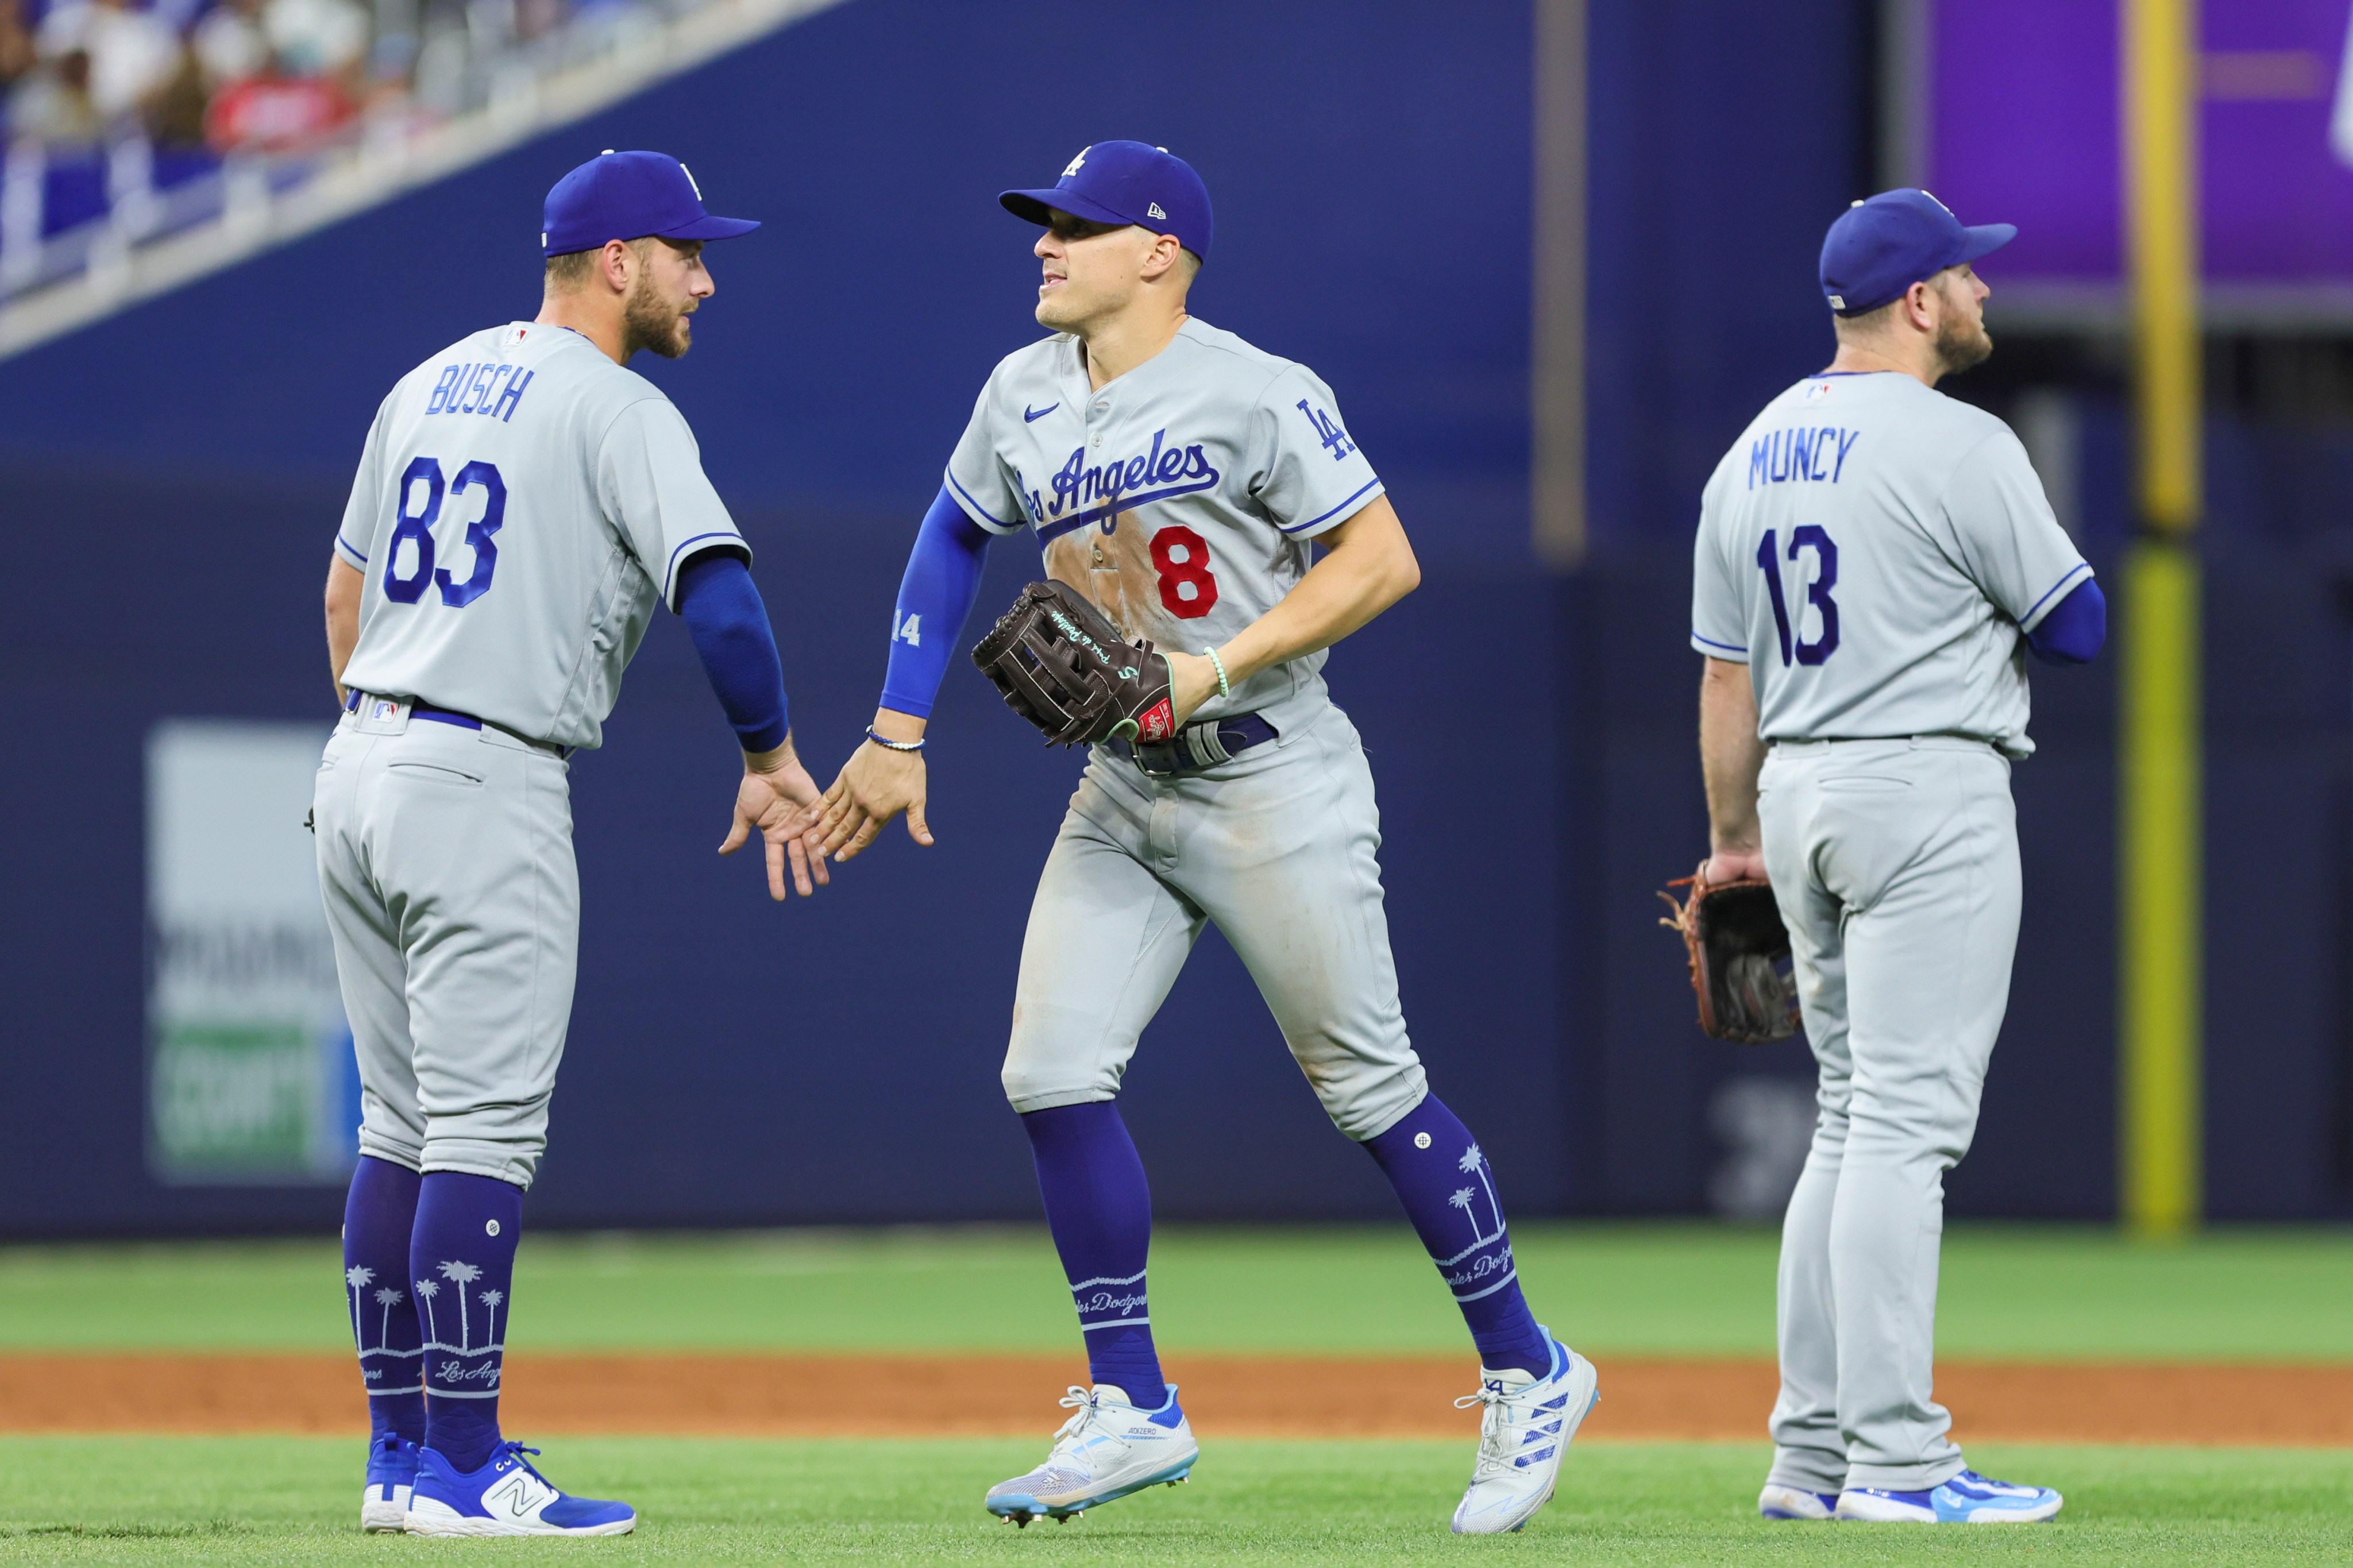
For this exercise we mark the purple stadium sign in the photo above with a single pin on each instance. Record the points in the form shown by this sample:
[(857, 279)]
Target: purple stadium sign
[(2021, 120)]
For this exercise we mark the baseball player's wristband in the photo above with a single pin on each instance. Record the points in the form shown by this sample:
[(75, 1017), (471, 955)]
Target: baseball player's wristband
[(892, 745), (1219, 665)]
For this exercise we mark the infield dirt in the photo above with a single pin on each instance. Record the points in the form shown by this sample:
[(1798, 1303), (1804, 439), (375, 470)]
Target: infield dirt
[(1236, 1395)]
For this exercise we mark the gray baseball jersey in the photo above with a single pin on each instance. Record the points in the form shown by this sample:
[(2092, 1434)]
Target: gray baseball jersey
[(521, 504), (1874, 551), (1179, 497)]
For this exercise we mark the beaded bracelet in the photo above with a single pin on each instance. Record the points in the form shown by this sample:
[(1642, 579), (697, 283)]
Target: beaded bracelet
[(1219, 666), (892, 745)]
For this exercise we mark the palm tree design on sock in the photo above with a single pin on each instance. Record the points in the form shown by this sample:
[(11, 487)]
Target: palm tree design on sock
[(489, 1300), (387, 1298), (1472, 1161), (357, 1279), (462, 1274), (426, 1291), (1460, 1198)]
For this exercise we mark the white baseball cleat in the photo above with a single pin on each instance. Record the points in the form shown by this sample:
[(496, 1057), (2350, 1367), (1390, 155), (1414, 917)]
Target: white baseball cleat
[(1795, 1502), (1106, 1450), (1967, 1498), (1526, 1431), (505, 1497)]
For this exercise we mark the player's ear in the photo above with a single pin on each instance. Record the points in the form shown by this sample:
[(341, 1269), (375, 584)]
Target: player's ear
[(617, 263)]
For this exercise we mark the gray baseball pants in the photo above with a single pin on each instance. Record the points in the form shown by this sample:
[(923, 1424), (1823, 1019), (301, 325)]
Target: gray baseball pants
[(1278, 847), (1896, 867), (445, 856)]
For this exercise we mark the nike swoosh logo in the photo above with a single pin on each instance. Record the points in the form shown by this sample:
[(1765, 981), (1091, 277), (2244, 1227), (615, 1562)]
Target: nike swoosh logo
[(1039, 414)]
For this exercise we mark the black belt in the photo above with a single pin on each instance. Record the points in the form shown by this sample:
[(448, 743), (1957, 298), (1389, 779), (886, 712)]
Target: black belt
[(1198, 746)]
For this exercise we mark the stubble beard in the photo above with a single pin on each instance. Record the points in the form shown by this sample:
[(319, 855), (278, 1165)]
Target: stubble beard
[(1962, 343), (649, 321)]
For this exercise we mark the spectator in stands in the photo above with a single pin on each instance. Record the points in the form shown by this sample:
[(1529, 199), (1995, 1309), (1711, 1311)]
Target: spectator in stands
[(52, 105), (16, 58), (230, 45), (132, 54)]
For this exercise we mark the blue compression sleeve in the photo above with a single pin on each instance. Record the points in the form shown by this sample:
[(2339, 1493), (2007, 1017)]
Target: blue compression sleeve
[(729, 625), (2075, 627), (934, 598)]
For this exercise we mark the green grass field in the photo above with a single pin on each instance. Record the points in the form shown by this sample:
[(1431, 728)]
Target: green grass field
[(1667, 1290), (268, 1501), (2028, 1292)]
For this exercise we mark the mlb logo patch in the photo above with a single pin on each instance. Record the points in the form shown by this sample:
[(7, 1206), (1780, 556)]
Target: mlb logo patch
[(1816, 392), (384, 709)]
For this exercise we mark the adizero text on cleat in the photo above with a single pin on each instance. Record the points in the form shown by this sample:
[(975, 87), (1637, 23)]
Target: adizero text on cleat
[(1107, 1449)]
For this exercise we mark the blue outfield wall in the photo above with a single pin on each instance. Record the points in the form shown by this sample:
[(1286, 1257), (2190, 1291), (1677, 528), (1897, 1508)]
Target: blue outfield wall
[(171, 479)]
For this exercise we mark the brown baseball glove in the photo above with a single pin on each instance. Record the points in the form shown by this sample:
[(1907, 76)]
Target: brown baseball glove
[(1062, 666), (1739, 958)]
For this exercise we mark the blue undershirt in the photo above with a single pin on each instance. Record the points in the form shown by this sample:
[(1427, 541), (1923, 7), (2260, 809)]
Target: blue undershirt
[(2075, 627), (729, 625), (935, 598)]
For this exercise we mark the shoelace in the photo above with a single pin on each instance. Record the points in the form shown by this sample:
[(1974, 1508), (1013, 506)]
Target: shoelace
[(517, 1451), (1084, 1399), (1494, 1453)]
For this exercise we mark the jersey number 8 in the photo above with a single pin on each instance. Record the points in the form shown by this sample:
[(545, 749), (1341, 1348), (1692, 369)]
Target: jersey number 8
[(417, 528), (1186, 590), (1806, 536)]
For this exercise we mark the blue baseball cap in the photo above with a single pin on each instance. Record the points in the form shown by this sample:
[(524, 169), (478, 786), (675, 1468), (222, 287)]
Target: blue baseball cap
[(628, 196), (1126, 183), (1879, 248)]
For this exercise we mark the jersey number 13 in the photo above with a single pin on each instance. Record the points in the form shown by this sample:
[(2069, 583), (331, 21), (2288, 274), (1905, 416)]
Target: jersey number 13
[(1805, 536)]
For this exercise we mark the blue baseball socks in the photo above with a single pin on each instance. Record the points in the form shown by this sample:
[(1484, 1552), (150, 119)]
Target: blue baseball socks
[(378, 1216), (1449, 1193), (1100, 1210), (462, 1264)]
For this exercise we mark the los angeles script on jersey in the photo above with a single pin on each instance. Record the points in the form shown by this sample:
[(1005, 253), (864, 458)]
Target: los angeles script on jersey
[(1166, 470), (1815, 453)]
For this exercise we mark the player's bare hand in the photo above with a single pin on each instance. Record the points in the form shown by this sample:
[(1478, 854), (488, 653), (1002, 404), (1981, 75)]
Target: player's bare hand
[(876, 784), (1192, 680), (778, 800), (1733, 866)]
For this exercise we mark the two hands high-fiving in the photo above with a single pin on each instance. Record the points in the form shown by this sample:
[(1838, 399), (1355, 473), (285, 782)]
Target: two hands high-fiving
[(779, 800)]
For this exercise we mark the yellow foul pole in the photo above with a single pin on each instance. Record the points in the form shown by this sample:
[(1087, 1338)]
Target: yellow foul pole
[(2161, 840)]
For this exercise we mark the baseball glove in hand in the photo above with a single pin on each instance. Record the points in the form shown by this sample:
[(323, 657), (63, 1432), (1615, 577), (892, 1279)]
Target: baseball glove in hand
[(1739, 950), (1062, 666)]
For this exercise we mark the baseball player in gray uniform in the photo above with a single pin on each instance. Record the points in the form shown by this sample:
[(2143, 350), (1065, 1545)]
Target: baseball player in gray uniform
[(521, 503), (1176, 476), (1874, 562)]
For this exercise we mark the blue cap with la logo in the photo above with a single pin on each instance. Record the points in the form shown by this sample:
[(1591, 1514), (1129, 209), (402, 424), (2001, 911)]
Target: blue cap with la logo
[(1126, 183), (1879, 248), (628, 196)]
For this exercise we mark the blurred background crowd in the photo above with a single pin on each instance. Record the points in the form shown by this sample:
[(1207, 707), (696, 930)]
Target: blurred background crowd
[(109, 103)]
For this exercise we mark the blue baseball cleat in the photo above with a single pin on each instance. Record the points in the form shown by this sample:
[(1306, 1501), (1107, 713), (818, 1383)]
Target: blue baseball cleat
[(505, 1497), (391, 1472), (1965, 1498), (1796, 1502)]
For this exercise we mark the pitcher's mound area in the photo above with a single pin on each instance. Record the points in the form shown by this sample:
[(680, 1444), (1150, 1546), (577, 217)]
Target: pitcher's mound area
[(1231, 1396)]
